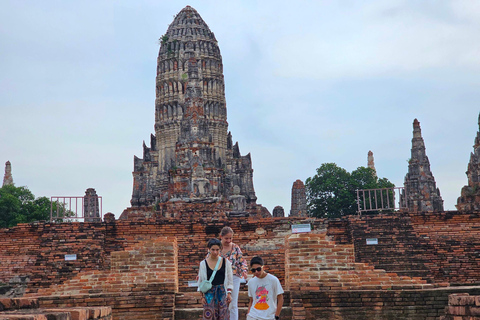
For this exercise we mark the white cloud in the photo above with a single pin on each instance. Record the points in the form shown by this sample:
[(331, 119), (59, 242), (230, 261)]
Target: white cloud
[(382, 41)]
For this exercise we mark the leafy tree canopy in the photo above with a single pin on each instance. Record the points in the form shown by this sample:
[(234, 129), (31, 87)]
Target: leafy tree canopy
[(18, 205), (332, 192)]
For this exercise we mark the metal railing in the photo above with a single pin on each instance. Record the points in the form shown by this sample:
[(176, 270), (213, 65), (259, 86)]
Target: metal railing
[(72, 208), (380, 199)]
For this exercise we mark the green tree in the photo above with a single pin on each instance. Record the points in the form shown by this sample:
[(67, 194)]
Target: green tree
[(18, 205), (332, 192), (329, 192)]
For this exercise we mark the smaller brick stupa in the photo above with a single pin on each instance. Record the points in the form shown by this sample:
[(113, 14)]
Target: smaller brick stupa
[(469, 199), (420, 193), (371, 161), (299, 200), (7, 178)]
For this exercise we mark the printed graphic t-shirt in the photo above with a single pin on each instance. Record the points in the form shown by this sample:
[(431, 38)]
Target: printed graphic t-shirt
[(264, 294)]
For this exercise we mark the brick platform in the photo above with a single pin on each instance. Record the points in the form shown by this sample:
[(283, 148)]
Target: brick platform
[(29, 309)]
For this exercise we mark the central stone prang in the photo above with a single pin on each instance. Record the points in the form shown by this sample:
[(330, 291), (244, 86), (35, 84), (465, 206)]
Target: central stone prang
[(191, 157)]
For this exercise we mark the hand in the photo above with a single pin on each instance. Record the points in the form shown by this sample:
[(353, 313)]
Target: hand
[(277, 317), (204, 301), (229, 298)]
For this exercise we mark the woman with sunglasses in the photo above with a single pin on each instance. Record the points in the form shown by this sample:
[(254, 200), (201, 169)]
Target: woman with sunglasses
[(232, 252), (215, 301)]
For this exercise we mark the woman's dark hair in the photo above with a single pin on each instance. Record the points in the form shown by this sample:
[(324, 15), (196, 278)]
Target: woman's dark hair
[(214, 242), (256, 260)]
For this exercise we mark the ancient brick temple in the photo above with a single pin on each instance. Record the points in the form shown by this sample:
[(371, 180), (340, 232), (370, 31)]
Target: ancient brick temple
[(191, 157), (421, 193), (470, 197)]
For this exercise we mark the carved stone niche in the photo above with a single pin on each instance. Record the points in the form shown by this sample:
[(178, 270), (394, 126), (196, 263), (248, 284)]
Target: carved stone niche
[(91, 208), (238, 204), (278, 212)]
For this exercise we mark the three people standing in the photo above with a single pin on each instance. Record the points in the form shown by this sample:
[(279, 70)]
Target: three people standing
[(225, 260)]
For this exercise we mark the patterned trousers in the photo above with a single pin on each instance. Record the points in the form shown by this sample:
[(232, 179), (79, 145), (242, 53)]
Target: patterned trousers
[(216, 307)]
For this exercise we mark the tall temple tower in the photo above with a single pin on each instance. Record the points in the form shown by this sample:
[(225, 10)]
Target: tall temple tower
[(191, 157), (469, 199), (420, 193)]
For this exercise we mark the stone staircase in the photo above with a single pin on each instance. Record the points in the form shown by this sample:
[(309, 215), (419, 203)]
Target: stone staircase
[(314, 263), (400, 249), (188, 306)]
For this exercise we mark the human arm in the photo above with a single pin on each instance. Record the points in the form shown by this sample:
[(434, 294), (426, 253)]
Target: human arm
[(279, 305), (228, 283), (239, 263), (202, 275), (250, 301)]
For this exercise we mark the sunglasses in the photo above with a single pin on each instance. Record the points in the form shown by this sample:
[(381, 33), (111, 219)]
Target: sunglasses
[(256, 269)]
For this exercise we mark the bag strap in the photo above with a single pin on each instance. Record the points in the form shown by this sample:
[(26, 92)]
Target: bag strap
[(214, 270)]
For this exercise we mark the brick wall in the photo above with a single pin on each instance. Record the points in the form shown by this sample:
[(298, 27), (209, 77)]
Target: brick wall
[(255, 236), (439, 247), (142, 280), (38, 250), (462, 306), (315, 263), (376, 304), (453, 242), (146, 303), (29, 309)]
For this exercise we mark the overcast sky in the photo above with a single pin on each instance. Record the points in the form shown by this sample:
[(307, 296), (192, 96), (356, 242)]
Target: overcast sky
[(307, 82)]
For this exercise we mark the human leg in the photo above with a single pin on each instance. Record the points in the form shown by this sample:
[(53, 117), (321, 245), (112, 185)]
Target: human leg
[(234, 304)]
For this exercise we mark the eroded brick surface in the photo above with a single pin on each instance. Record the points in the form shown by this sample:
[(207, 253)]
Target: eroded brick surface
[(29, 309), (421, 193), (191, 157), (469, 200)]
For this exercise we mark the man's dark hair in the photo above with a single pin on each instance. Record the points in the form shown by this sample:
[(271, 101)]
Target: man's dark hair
[(256, 260)]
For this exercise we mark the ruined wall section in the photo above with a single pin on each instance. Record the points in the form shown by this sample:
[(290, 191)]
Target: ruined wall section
[(27, 308), (141, 280), (462, 306), (375, 304), (438, 247), (36, 252), (313, 262)]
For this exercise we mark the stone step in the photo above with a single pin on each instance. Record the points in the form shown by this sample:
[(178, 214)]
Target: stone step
[(187, 300), (196, 313)]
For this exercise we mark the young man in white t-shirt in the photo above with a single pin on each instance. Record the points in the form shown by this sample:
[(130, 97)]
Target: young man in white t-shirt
[(265, 293)]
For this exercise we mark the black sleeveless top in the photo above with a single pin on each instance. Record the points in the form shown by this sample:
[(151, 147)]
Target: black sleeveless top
[(219, 276)]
